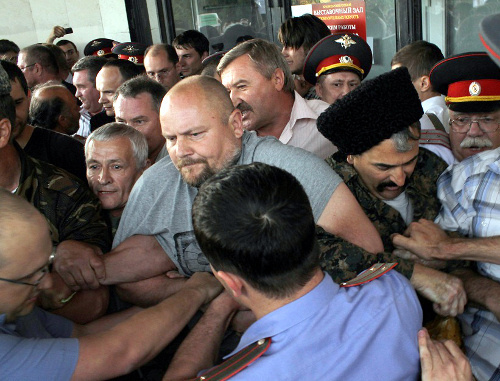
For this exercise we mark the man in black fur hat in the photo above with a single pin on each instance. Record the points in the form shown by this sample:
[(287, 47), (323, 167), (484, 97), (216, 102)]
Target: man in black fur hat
[(393, 180)]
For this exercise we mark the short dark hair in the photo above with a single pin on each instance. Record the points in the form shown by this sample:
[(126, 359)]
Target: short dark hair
[(128, 69), (8, 110), (8, 46), (169, 49), (42, 55), (59, 56), (192, 39), (419, 57), (14, 73), (256, 221), (44, 111), (66, 42), (305, 31), (90, 63), (142, 84)]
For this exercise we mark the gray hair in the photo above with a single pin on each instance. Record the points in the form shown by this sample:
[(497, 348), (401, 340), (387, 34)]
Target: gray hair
[(266, 57), (116, 130), (406, 139)]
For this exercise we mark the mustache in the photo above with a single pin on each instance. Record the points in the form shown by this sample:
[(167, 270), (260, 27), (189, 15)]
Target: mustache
[(478, 142), (386, 184), (188, 161), (244, 106)]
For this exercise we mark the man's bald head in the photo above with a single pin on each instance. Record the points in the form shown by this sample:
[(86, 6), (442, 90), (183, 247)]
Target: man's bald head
[(206, 90), (14, 213)]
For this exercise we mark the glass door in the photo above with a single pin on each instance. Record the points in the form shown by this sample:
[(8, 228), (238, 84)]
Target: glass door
[(225, 21)]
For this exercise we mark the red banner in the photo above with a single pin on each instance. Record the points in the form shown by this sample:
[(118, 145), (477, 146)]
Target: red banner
[(343, 16)]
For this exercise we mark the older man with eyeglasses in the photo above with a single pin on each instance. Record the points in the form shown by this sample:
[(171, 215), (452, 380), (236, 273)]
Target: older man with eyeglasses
[(38, 345), (470, 198), (77, 228)]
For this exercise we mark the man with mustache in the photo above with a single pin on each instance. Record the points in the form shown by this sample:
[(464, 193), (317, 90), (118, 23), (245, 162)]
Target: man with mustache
[(261, 86), (459, 78), (468, 192), (392, 178)]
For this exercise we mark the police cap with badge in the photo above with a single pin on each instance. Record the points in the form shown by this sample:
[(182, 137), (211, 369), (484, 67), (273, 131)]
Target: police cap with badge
[(338, 52), (470, 82), (131, 51), (372, 112), (100, 47)]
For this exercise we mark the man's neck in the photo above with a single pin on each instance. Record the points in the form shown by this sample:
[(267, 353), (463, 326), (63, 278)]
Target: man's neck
[(282, 116), (154, 155), (10, 168), (428, 95), (262, 305), (94, 112), (24, 137)]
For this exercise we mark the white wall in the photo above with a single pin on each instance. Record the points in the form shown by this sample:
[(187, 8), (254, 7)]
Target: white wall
[(30, 21), (153, 22)]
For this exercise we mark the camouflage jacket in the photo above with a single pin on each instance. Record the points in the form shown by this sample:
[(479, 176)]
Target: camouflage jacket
[(343, 260), (71, 209)]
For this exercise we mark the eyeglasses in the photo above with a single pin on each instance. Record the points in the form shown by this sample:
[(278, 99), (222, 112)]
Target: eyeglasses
[(161, 74), (24, 68), (462, 125), (43, 271)]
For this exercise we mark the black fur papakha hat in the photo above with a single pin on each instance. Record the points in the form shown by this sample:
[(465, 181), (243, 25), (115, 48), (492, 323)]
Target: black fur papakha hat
[(372, 112)]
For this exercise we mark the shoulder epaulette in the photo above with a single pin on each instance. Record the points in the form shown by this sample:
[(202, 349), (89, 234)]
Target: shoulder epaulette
[(238, 362), (435, 137), (374, 272)]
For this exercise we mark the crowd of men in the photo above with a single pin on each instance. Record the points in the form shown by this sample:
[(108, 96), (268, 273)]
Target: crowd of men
[(255, 213)]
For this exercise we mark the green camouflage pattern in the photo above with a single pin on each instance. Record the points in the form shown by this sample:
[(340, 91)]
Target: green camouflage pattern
[(71, 209), (344, 260)]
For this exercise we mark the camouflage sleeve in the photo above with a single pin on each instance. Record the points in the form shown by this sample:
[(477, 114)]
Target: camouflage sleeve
[(80, 218), (343, 260)]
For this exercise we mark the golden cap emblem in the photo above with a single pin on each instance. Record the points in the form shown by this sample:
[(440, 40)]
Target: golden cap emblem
[(345, 41), (346, 60), (474, 89), (100, 52), (133, 59)]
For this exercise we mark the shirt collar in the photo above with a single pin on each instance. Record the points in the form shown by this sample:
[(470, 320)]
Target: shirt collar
[(290, 314)]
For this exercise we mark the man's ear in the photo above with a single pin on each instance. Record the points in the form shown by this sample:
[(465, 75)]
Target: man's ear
[(232, 282), (5, 132), (278, 79), (319, 90), (204, 55), (62, 122), (236, 123), (350, 159), (38, 68), (423, 84), (426, 83)]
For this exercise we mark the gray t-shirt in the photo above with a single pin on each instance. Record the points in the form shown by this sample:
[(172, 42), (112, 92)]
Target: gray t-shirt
[(160, 202)]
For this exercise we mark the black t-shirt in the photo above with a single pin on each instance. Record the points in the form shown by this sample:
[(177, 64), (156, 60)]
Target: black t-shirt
[(58, 149), (99, 120)]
